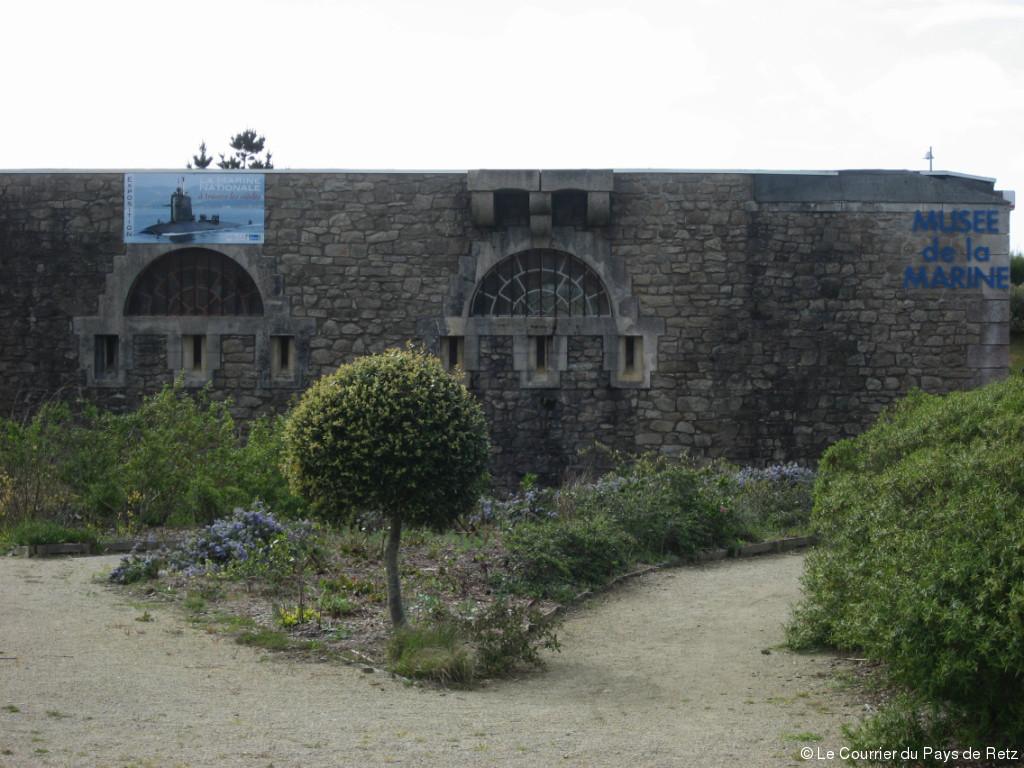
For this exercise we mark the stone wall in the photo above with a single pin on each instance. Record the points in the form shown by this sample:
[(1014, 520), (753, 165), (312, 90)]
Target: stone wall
[(764, 316), (58, 236)]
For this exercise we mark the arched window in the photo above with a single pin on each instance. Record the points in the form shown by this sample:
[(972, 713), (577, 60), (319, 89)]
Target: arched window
[(540, 283), (194, 281)]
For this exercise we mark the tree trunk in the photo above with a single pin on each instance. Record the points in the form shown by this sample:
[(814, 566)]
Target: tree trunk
[(391, 570)]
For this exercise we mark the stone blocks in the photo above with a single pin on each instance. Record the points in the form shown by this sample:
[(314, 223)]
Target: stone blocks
[(770, 315)]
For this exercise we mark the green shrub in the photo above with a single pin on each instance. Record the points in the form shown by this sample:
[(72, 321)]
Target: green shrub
[(922, 558), (558, 558), (335, 605), (900, 721), (260, 474), (96, 441), (665, 509), (507, 637), (180, 464), (772, 502), (1017, 309), (1016, 268), (452, 648), (176, 460), (392, 433), (32, 456), (562, 542)]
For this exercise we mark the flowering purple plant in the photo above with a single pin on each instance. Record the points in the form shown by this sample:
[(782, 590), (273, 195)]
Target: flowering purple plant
[(772, 501), (247, 534), (780, 473)]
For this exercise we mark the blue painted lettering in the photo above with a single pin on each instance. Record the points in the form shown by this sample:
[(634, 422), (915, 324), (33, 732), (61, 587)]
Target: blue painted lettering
[(934, 253), (920, 222), (916, 279), (957, 277), (957, 221), (981, 253), (990, 281)]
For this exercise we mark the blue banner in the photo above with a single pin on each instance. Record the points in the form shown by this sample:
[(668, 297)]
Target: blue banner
[(203, 207)]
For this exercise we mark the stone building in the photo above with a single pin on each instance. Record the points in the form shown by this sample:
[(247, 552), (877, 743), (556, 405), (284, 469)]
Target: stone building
[(757, 317)]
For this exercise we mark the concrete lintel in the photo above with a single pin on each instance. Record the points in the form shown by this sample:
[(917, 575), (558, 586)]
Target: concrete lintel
[(493, 181), (584, 180)]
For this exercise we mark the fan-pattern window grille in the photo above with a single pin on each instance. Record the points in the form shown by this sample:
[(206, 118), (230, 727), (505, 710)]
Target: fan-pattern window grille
[(540, 283), (194, 281)]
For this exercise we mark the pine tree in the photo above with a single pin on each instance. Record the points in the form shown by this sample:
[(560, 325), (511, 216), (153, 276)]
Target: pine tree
[(247, 147), (202, 160)]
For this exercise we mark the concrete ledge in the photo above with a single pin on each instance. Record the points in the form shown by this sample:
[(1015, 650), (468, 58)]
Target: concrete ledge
[(747, 550), (756, 549), (104, 548), (39, 550), (708, 555), (112, 547), (784, 545)]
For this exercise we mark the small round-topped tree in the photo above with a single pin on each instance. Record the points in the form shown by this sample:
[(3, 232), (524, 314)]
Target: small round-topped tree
[(394, 434)]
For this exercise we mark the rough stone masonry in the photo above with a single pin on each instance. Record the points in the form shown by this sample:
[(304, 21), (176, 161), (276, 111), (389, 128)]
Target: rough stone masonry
[(757, 317)]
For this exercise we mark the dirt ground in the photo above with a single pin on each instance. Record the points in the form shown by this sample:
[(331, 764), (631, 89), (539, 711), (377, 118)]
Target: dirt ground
[(677, 668)]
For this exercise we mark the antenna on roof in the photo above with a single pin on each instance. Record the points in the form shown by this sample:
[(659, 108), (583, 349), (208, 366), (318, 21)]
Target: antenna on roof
[(929, 157)]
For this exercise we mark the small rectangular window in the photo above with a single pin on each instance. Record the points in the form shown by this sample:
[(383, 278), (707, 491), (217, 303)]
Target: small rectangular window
[(631, 358), (282, 357), (106, 355), (540, 358), (541, 353), (193, 353), (453, 352)]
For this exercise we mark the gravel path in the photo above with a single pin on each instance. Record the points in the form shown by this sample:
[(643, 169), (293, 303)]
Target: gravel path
[(670, 670)]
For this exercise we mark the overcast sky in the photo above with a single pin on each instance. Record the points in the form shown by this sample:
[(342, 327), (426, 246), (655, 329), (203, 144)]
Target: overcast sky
[(446, 84)]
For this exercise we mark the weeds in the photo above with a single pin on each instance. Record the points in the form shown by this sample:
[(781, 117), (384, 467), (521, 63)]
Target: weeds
[(434, 651), (268, 639), (34, 532), (805, 737)]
